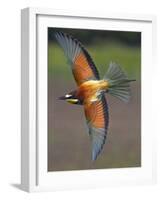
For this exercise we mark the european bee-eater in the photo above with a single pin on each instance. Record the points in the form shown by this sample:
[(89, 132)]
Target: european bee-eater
[(91, 89)]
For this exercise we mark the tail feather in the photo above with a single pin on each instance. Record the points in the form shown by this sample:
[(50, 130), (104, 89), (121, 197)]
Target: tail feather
[(118, 82)]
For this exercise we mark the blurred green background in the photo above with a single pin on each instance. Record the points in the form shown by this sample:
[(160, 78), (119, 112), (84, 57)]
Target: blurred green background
[(68, 141)]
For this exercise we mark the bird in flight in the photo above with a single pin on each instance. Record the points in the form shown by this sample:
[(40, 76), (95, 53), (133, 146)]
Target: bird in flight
[(91, 90)]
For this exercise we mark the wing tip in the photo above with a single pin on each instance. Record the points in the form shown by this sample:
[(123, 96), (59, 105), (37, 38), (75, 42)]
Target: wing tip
[(58, 34), (94, 156), (63, 34), (95, 153)]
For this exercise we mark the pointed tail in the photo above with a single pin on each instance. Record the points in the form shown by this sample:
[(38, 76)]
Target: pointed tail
[(118, 82)]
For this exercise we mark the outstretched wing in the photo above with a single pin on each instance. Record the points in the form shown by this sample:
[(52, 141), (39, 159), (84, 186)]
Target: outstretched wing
[(97, 120), (83, 67)]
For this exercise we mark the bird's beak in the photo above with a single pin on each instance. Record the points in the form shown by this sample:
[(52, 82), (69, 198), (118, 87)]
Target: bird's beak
[(62, 98)]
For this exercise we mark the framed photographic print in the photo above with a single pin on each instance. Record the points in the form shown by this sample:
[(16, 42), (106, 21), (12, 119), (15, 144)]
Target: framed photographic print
[(86, 110)]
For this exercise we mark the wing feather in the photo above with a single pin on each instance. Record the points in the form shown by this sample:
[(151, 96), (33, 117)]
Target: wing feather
[(83, 67), (97, 120)]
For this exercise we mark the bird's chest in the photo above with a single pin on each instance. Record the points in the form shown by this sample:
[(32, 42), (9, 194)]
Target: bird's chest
[(89, 91)]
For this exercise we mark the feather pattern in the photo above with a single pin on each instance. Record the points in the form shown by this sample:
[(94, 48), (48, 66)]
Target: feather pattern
[(118, 82), (83, 67), (97, 120)]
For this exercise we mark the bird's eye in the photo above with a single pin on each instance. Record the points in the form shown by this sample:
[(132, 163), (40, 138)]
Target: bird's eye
[(68, 95)]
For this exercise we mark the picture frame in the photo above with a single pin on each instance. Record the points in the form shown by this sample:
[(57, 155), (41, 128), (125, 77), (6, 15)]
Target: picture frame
[(34, 174)]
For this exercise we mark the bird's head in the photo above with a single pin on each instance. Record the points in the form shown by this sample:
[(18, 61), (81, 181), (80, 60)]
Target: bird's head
[(70, 98)]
